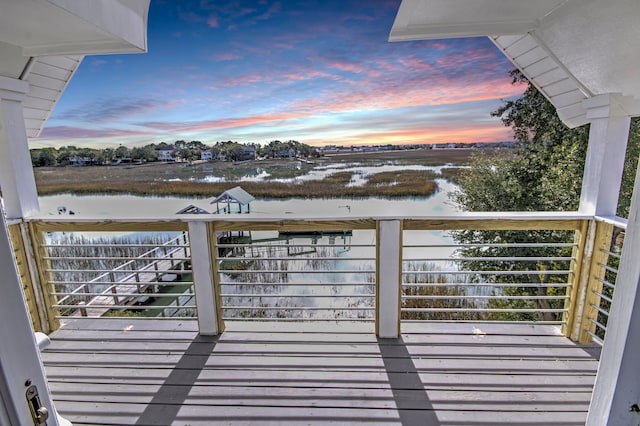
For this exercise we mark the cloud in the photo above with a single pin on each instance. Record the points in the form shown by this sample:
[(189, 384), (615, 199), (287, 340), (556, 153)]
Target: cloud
[(245, 79), (225, 123), (70, 132), (190, 17), (348, 67), (213, 22), (109, 110), (227, 57), (96, 62), (272, 10)]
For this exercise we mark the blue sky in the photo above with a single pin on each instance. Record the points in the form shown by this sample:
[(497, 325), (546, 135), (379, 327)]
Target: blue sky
[(319, 72)]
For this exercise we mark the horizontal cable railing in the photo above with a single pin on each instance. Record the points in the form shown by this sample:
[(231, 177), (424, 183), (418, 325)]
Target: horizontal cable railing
[(132, 274), (504, 278), (514, 270), (314, 275)]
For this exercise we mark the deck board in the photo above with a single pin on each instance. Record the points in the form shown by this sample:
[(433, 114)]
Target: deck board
[(126, 372)]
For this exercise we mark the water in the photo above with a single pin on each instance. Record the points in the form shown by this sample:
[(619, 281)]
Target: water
[(440, 204), (129, 206)]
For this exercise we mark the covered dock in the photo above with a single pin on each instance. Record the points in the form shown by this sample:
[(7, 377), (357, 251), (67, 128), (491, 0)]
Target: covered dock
[(233, 200)]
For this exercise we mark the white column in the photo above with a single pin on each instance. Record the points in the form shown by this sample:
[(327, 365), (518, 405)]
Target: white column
[(16, 174), (203, 279), (617, 386), (608, 135), (389, 278), (20, 363)]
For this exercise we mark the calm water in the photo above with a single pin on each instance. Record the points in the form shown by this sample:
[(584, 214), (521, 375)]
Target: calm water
[(102, 206)]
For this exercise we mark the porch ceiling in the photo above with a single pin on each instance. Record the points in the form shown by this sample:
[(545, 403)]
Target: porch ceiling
[(43, 42), (571, 50)]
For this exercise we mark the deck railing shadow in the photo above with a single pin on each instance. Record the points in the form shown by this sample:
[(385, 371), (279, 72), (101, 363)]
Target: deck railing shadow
[(412, 400), (178, 384)]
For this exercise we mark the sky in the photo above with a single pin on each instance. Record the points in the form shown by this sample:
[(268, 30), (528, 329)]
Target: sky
[(319, 72)]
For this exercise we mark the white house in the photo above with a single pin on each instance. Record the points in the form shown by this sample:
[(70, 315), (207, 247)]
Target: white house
[(165, 154)]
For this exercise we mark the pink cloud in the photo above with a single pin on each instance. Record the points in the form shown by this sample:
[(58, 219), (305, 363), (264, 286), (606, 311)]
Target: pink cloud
[(225, 123), (364, 95), (80, 132), (213, 21), (424, 135), (416, 64), (347, 67), (245, 79), (227, 57), (286, 46)]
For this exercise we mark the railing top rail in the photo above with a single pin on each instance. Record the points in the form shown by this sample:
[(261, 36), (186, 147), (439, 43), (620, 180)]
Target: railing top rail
[(618, 222), (524, 220)]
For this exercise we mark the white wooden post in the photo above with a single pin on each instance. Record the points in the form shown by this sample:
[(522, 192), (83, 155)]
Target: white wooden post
[(201, 265), (608, 135), (617, 386), (16, 174), (20, 364), (389, 254)]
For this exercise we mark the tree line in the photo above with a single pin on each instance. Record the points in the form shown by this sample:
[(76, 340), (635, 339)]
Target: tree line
[(186, 151)]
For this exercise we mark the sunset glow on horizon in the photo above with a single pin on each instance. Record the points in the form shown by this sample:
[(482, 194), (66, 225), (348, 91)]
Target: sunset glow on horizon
[(319, 72)]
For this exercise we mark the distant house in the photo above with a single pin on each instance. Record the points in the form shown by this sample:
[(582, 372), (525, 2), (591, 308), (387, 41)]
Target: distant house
[(80, 161), (249, 153), (444, 146), (206, 156), (165, 154), (286, 153)]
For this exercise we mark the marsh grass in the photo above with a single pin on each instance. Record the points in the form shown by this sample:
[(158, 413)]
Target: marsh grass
[(175, 179), (407, 184), (452, 174)]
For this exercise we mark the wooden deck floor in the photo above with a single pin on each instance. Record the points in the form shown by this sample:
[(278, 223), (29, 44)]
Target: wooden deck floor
[(150, 372)]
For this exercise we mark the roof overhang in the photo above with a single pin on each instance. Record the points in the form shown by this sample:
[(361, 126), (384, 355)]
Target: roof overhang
[(44, 41), (571, 50), (72, 27)]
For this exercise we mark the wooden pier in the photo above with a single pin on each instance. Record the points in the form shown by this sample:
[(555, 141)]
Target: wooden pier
[(128, 287)]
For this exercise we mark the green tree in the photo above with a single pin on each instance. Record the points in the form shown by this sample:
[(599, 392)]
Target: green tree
[(630, 167), (544, 173), (43, 157), (122, 152)]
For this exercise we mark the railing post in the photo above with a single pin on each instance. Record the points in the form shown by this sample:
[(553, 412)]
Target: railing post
[(203, 264), (583, 240), (18, 236), (597, 238), (388, 278), (44, 277)]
